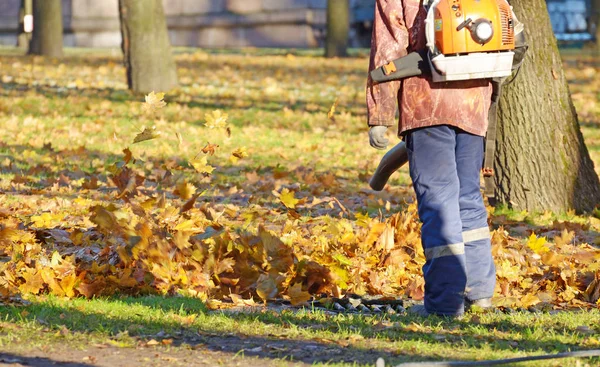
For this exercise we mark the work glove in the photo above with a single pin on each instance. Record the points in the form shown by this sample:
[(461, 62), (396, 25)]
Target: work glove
[(377, 137)]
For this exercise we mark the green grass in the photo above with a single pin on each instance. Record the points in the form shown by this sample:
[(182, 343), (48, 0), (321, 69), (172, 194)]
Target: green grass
[(124, 322)]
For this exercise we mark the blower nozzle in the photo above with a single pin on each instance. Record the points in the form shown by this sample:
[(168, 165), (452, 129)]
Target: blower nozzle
[(390, 163)]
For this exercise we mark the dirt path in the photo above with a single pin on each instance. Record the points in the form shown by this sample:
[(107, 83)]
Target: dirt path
[(110, 356)]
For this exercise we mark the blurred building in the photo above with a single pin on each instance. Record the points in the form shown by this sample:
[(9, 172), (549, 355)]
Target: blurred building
[(570, 18), (204, 23), (243, 23)]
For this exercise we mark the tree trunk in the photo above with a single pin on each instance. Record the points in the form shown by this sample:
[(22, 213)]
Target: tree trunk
[(595, 15), (24, 38), (47, 38), (542, 162), (146, 47), (338, 28)]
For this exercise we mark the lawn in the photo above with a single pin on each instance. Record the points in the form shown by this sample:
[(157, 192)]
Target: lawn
[(141, 230)]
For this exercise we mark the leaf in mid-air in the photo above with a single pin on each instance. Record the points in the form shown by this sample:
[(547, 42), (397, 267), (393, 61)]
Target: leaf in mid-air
[(210, 149), (147, 134), (331, 113), (201, 165), (238, 154), (154, 102), (216, 119)]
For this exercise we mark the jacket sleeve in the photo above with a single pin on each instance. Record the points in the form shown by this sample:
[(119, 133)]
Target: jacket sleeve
[(389, 41)]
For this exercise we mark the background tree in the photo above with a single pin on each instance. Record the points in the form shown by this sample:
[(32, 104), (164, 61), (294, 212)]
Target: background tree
[(595, 15), (146, 47), (542, 162), (24, 38), (338, 28), (47, 37)]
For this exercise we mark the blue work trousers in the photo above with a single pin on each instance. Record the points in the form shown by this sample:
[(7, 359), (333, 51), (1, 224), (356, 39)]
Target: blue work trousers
[(445, 165)]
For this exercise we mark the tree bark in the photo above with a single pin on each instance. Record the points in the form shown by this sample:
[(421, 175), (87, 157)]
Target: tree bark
[(595, 15), (542, 162), (338, 28), (47, 37), (23, 38), (146, 48)]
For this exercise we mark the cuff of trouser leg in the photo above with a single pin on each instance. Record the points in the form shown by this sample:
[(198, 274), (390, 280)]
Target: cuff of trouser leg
[(477, 296), (445, 314)]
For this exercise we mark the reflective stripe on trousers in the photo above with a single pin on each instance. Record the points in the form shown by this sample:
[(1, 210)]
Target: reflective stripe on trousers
[(445, 164)]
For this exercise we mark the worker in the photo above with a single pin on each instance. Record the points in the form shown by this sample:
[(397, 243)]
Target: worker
[(443, 125)]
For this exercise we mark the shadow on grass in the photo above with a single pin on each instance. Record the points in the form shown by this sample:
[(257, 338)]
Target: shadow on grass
[(222, 331), (19, 360), (234, 105)]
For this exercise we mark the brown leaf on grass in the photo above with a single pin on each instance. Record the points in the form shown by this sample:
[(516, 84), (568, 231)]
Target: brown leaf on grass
[(416, 289), (92, 289), (90, 183), (565, 238), (266, 287)]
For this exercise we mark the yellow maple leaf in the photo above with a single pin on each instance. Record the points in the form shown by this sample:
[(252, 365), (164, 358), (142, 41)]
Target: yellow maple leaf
[(146, 134), (68, 284), (47, 220), (297, 295), (33, 282), (530, 300), (288, 199), (363, 220), (154, 102), (238, 154), (185, 190), (201, 165), (537, 245), (216, 119)]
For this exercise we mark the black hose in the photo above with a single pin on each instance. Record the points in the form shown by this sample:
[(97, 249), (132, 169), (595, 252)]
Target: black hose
[(578, 354)]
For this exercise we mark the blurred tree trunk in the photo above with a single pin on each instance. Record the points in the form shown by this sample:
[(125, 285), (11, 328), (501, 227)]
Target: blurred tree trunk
[(24, 38), (47, 37), (542, 162), (146, 47), (596, 21), (338, 28)]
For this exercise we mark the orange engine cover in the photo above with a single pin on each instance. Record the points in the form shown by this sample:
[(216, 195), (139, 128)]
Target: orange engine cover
[(450, 14)]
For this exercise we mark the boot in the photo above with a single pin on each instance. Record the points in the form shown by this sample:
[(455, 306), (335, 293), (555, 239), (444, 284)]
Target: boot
[(483, 304), (419, 310)]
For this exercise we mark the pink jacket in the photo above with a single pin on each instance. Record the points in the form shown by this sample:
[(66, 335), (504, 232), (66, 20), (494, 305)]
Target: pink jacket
[(399, 28)]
